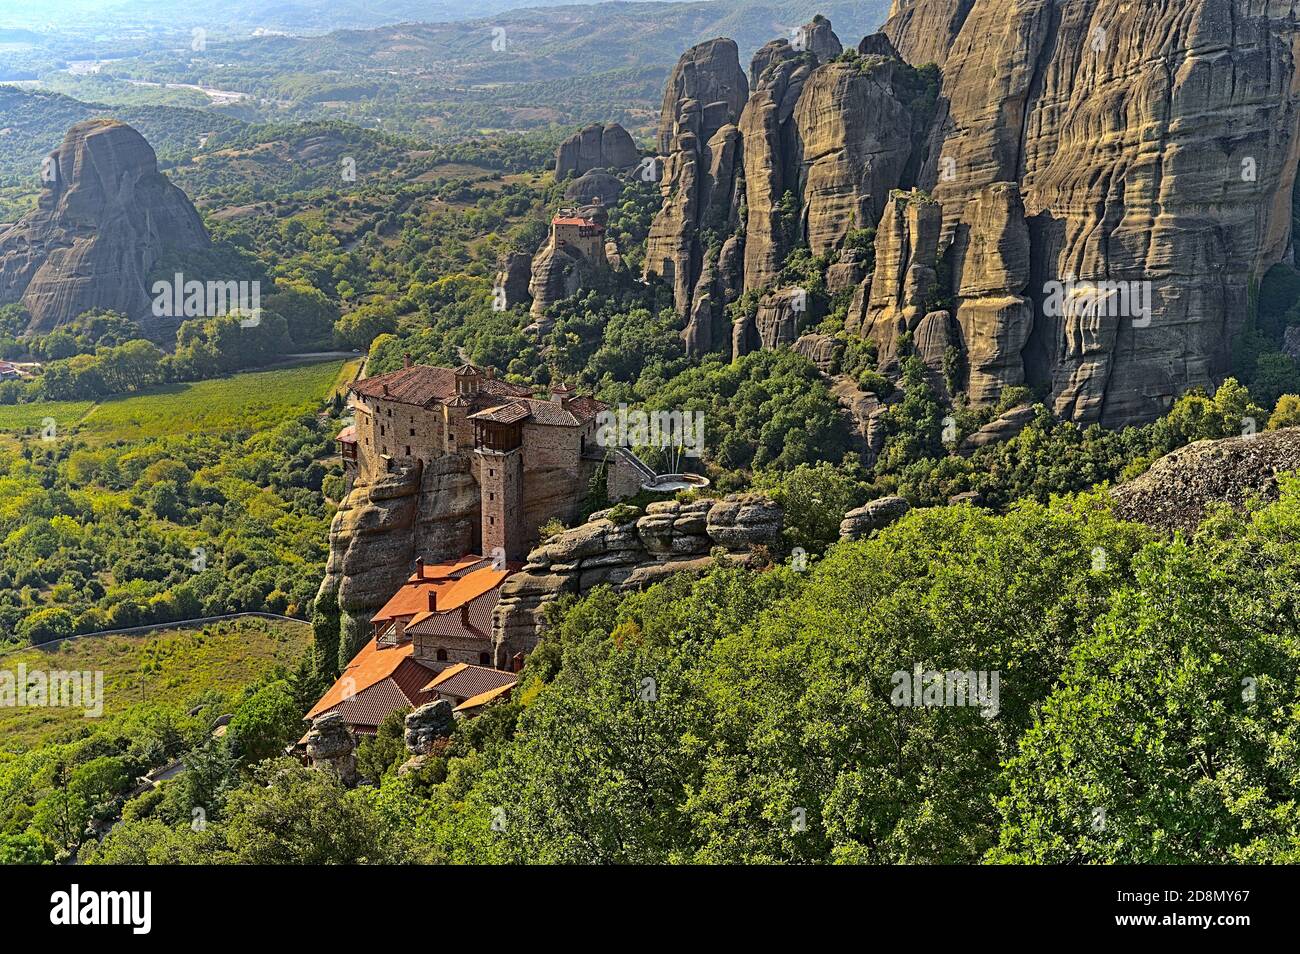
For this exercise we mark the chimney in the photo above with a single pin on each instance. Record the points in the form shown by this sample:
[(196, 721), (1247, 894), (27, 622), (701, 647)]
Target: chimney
[(385, 389), (433, 601), (490, 372), (419, 567), (406, 360), (561, 394), (517, 662)]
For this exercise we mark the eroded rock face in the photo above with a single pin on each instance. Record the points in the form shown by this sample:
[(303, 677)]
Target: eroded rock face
[(700, 142), (1180, 487), (853, 142), (709, 74), (557, 273), (1151, 146), (870, 517), (824, 351), (331, 747), (670, 537), (777, 320), (904, 282), (514, 270), (596, 147), (384, 524), (594, 186), (1002, 428), (104, 219), (1151, 142), (426, 724)]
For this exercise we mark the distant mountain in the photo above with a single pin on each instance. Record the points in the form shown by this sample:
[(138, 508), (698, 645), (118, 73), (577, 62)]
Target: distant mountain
[(300, 17), (533, 68)]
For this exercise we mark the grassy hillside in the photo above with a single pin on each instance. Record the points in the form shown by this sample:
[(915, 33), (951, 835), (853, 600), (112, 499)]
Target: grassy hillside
[(241, 402), (166, 667)]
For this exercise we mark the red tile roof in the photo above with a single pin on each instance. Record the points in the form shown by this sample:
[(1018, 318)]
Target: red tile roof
[(422, 385), (379, 680), (578, 220), (483, 698), (466, 681), (453, 584)]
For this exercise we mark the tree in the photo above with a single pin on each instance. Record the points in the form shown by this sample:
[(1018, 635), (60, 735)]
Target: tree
[(301, 816), (265, 723)]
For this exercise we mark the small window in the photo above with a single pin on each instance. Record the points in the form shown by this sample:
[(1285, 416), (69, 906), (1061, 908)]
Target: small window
[(442, 655), (492, 496), (491, 472), (381, 430), (485, 659), (492, 521), (412, 432), (408, 450)]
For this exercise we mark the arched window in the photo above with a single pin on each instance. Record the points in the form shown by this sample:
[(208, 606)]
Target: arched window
[(485, 659), (442, 655)]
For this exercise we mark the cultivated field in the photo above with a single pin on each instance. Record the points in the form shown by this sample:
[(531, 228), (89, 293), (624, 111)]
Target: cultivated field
[(167, 666), (239, 402)]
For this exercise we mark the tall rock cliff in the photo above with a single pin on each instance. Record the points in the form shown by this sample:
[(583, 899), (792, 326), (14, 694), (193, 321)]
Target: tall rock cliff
[(105, 217), (700, 143), (596, 147), (1104, 182), (1154, 147)]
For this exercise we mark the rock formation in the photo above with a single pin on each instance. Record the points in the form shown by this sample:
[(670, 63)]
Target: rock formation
[(514, 270), (870, 517), (670, 537), (594, 186), (384, 525), (104, 219), (700, 143), (428, 723), (331, 747), (1002, 428), (1089, 197), (1179, 488), (1151, 143), (596, 147), (903, 285)]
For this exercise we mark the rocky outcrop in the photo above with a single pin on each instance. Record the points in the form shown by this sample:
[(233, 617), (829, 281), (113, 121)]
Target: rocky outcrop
[(1179, 489), (557, 273), (594, 186), (596, 147), (1002, 428), (779, 313), (1146, 152), (700, 141), (514, 269), (853, 140), (383, 525), (643, 549), (817, 38), (426, 724), (847, 272), (870, 517), (105, 217), (331, 747), (709, 75), (1152, 143), (904, 283), (824, 351), (765, 127)]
